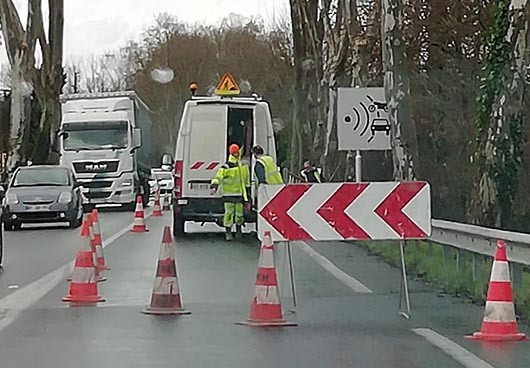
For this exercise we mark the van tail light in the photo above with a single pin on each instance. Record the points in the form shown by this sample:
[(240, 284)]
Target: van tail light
[(178, 179)]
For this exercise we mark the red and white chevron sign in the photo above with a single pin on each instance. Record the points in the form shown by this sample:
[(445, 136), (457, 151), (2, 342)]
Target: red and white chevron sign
[(345, 211)]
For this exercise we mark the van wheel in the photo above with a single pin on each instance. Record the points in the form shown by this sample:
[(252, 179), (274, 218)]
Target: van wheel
[(178, 226)]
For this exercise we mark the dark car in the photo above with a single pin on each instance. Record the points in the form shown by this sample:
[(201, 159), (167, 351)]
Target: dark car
[(42, 194)]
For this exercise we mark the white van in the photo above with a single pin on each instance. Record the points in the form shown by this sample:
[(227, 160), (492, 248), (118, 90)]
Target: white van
[(209, 126)]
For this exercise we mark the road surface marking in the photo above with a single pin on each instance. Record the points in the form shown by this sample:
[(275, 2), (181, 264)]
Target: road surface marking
[(13, 304), (340, 275), (461, 355)]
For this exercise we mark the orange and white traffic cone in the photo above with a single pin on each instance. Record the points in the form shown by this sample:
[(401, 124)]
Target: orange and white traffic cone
[(165, 298), (83, 286), (265, 307), (90, 221), (98, 244), (167, 202), (139, 220), (499, 322), (87, 244), (157, 212)]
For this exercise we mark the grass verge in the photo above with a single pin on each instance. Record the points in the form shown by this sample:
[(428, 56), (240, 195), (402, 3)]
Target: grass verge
[(458, 273)]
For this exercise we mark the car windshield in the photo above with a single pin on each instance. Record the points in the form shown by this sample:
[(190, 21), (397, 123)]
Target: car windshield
[(41, 177), (92, 136)]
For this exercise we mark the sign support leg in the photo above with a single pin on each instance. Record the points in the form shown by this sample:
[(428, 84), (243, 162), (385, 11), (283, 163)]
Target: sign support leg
[(291, 273), (358, 167), (404, 286)]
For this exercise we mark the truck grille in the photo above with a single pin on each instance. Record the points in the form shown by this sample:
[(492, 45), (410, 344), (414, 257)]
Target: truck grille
[(97, 195), (96, 184), (88, 167)]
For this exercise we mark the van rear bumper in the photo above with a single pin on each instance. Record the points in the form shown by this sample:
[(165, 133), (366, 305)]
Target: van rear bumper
[(205, 210)]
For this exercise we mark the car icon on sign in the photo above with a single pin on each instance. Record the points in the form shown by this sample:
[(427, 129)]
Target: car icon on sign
[(380, 125)]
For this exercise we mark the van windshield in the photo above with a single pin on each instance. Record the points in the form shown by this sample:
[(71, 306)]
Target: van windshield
[(93, 136)]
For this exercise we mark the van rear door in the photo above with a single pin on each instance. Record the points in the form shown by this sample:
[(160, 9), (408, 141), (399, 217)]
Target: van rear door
[(206, 148)]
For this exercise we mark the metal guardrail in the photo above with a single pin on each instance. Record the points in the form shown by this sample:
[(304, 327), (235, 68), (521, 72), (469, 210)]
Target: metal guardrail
[(481, 240)]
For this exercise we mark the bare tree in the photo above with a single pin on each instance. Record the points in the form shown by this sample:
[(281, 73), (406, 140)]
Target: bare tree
[(46, 80), (397, 90)]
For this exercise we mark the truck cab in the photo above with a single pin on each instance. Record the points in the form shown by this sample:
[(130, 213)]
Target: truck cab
[(104, 138), (208, 127)]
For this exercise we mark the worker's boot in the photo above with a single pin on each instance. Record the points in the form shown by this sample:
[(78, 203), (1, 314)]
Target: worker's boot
[(239, 233), (228, 234)]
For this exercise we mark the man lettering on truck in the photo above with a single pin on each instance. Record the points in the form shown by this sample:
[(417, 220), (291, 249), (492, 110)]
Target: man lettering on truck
[(265, 169), (231, 178)]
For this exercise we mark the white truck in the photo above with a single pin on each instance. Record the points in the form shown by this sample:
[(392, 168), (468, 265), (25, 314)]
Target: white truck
[(105, 139), (208, 127)]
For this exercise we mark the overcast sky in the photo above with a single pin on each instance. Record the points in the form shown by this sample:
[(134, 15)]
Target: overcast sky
[(96, 26)]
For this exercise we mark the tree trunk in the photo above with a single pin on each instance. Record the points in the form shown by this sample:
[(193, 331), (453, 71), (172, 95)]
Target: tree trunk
[(501, 115), (397, 90), (18, 115)]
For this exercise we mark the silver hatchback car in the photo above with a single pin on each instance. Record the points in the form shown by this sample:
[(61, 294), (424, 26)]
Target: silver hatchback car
[(42, 194)]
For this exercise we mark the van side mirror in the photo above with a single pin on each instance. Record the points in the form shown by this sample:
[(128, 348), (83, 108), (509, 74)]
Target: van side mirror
[(137, 138)]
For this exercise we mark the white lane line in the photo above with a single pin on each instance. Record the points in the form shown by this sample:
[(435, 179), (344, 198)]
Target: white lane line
[(461, 355), (342, 276), (13, 304)]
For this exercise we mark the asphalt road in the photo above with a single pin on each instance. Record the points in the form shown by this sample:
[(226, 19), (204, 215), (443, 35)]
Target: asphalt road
[(342, 322)]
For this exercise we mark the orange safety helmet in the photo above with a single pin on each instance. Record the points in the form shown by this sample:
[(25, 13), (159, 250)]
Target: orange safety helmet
[(234, 149)]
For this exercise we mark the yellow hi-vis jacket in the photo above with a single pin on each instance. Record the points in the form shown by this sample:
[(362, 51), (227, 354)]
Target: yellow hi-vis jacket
[(272, 175), (231, 178)]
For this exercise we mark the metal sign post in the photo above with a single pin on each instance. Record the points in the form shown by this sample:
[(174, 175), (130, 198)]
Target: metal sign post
[(291, 273), (404, 286), (358, 167)]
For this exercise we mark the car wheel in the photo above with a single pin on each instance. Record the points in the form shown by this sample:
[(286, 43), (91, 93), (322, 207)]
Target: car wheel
[(178, 226)]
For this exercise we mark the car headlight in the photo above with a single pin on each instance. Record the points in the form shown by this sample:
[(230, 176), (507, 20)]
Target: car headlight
[(127, 183), (11, 198), (65, 197)]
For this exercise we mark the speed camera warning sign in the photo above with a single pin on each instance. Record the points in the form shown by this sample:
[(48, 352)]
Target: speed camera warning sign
[(363, 122)]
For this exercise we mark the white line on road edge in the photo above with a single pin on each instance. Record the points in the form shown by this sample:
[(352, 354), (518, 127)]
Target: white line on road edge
[(342, 276), (13, 304), (461, 355)]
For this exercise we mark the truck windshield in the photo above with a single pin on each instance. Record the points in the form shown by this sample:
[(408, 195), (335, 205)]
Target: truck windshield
[(94, 136)]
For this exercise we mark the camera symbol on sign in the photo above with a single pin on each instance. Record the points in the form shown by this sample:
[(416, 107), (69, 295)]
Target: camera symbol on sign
[(369, 116)]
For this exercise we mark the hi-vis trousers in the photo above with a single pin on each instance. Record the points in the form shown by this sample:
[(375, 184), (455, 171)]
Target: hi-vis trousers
[(233, 213)]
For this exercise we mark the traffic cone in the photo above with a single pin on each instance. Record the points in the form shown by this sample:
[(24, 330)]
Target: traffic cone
[(499, 322), (90, 221), (83, 286), (165, 298), (265, 307), (167, 202), (98, 244), (156, 210), (87, 244), (139, 220)]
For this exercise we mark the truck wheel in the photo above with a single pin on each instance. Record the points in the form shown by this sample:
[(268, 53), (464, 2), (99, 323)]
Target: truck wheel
[(129, 207), (178, 226)]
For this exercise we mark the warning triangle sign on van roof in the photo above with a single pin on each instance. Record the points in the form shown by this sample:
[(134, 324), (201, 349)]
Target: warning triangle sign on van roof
[(227, 86)]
